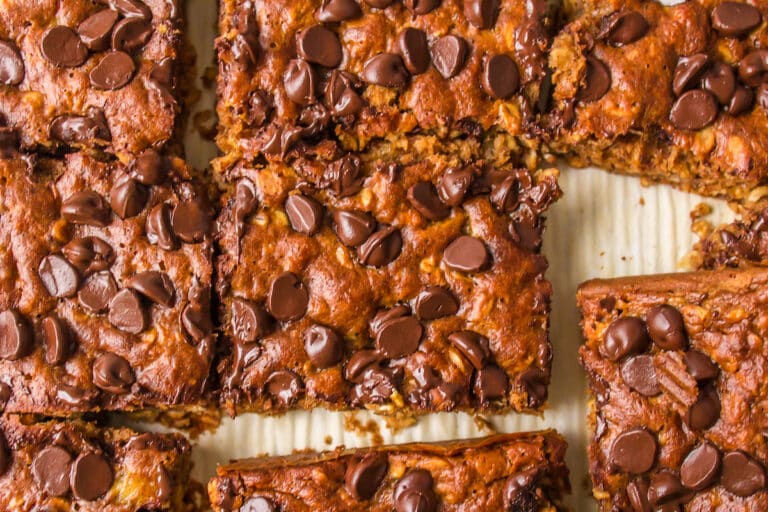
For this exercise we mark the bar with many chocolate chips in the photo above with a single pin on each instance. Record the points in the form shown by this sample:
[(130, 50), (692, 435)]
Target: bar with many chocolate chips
[(76, 465), (356, 74), (509, 472), (676, 366), (90, 74), (674, 94), (741, 242), (401, 288), (105, 278)]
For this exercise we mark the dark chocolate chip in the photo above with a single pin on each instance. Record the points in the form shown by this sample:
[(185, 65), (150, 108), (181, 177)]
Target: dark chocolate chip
[(319, 45), (500, 76), (720, 80), (701, 367), (58, 276), (741, 101), (159, 229), (414, 49), (491, 383), (689, 71), (55, 340), (97, 292), (639, 373), (245, 50), (196, 319), (285, 387), (131, 8), (381, 248), (422, 6), (91, 476), (324, 347), (637, 492), (534, 383), (340, 94), (359, 362), (481, 13), (114, 70), (466, 254), (624, 337), (250, 321), (473, 346), (423, 196), (191, 221), (288, 298), (150, 168), (597, 80), (705, 411), (634, 451), (304, 213), (258, 504), (86, 207), (385, 315), (753, 68), (128, 197), (154, 285), (505, 194), (112, 373), (520, 492), (449, 54), (260, 108), (337, 10), (414, 493), (345, 176), (50, 469), (454, 184), (11, 64), (742, 475), (665, 489), (399, 337), (435, 302), (352, 227), (735, 19), (89, 254), (624, 28), (127, 313), (63, 48), (130, 34), (15, 336), (701, 467), (71, 129), (385, 69), (95, 30), (300, 82), (363, 478)]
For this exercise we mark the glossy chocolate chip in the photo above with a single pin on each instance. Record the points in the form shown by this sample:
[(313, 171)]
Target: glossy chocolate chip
[(359, 362), (597, 80), (131, 8), (196, 319), (637, 493), (490, 383), (112, 373), (15, 336), (91, 476), (345, 176), (363, 478), (453, 185), (341, 96), (473, 346), (304, 213), (352, 227), (689, 71), (666, 328), (424, 198), (127, 313), (701, 367), (385, 315), (741, 101), (639, 373), (191, 221), (154, 285), (300, 82), (59, 278), (720, 80), (114, 70), (324, 347), (414, 49), (381, 248), (50, 470), (319, 45), (150, 168), (481, 13), (625, 336), (634, 451), (435, 302), (534, 383), (753, 68), (505, 194), (86, 207), (250, 321), (449, 54), (705, 411), (414, 493), (665, 489), (422, 6), (97, 292), (701, 467), (466, 254), (500, 77), (63, 48), (128, 197), (288, 298), (258, 504), (159, 229), (385, 69), (245, 50), (624, 28), (338, 10), (71, 129), (735, 19), (130, 34), (89, 254), (399, 337), (520, 491), (95, 30), (11, 64), (55, 340), (285, 387), (742, 475)]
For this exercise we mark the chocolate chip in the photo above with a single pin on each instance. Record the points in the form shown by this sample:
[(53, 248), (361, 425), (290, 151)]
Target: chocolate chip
[(491, 383), (624, 27), (55, 340), (341, 96), (423, 196), (58, 276), (422, 6), (159, 229), (63, 48), (86, 207), (131, 8), (345, 176), (258, 504), (414, 493), (245, 50), (637, 492), (131, 34), (500, 76), (639, 373), (71, 129), (701, 367), (15, 336), (689, 71), (624, 337), (337, 10), (112, 373), (89, 254), (473, 346), (385, 69), (449, 54), (150, 168), (385, 315), (414, 49), (435, 302), (701, 467), (399, 337), (300, 82), (195, 318), (304, 213), (91, 476), (634, 451), (742, 475), (382, 247), (260, 108), (128, 197), (95, 30), (319, 45), (720, 80), (453, 185), (741, 101), (250, 321), (288, 298), (352, 227), (11, 64), (735, 19), (466, 254), (50, 469), (481, 13), (705, 411), (665, 489), (534, 383), (156, 286), (285, 387), (97, 292), (114, 70), (359, 362), (520, 492), (362, 478), (505, 194), (753, 68), (126, 312), (597, 80), (323, 346), (191, 221)]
